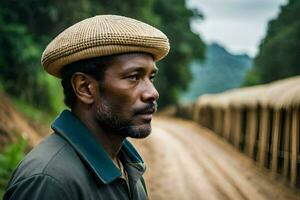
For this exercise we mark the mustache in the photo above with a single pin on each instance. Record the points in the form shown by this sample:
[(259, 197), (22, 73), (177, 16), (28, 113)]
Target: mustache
[(149, 108)]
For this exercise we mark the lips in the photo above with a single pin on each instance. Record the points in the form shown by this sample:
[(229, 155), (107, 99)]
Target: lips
[(148, 111), (147, 115)]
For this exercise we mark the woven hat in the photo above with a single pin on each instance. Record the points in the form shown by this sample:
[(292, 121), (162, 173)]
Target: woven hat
[(103, 35)]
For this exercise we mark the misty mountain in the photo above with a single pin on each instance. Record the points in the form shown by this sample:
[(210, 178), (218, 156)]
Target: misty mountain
[(220, 71)]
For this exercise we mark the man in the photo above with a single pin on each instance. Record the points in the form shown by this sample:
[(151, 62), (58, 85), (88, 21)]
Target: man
[(107, 66)]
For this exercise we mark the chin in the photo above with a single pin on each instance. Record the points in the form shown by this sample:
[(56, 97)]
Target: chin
[(138, 131)]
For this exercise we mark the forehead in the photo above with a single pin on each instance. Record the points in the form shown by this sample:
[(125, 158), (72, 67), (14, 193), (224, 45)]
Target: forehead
[(125, 62)]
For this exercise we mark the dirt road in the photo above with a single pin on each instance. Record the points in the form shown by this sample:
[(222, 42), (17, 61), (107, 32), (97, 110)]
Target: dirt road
[(188, 162)]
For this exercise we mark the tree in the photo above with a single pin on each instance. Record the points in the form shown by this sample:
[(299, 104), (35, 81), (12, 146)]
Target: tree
[(279, 51)]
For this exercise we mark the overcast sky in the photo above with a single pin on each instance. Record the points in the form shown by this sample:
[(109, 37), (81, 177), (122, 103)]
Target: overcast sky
[(238, 25)]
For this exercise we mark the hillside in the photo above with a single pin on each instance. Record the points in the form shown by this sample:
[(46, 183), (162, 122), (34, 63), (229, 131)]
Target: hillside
[(13, 125), (221, 71)]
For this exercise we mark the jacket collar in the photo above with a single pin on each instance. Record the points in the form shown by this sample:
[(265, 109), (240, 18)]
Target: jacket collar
[(81, 139)]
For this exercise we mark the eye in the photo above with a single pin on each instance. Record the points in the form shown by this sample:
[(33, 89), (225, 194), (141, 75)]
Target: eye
[(133, 77)]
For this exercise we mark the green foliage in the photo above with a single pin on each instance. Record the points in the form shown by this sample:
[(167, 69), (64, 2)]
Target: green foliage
[(20, 52), (279, 52), (55, 92), (9, 159), (251, 78), (27, 26)]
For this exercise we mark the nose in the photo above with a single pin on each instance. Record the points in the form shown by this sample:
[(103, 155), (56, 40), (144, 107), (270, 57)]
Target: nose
[(150, 93)]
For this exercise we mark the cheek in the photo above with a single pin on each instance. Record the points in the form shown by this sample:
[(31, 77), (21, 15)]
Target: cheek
[(122, 100), (120, 93)]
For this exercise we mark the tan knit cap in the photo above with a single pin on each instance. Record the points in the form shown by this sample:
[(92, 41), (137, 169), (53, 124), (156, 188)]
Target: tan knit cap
[(103, 35)]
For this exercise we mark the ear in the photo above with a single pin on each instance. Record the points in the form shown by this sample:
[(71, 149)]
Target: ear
[(84, 87)]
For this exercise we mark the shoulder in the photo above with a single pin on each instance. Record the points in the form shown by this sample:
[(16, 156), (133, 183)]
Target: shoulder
[(53, 152), (53, 161), (38, 186)]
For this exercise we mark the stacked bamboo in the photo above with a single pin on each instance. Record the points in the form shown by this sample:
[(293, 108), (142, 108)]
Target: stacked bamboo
[(262, 122)]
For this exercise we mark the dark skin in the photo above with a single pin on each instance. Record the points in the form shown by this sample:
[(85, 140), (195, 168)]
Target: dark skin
[(127, 89)]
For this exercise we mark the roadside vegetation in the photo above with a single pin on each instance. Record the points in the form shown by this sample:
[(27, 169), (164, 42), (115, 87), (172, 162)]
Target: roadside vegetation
[(10, 156)]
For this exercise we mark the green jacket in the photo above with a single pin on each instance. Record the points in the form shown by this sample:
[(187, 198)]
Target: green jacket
[(71, 165)]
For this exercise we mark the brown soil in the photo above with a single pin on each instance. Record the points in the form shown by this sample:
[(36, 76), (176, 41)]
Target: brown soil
[(13, 125)]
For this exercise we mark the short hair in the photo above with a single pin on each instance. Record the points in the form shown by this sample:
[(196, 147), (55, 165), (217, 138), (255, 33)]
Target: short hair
[(94, 67)]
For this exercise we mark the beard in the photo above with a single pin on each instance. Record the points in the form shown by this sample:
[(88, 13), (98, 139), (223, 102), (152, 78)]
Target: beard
[(110, 119)]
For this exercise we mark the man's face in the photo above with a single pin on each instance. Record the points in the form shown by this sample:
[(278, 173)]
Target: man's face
[(127, 97)]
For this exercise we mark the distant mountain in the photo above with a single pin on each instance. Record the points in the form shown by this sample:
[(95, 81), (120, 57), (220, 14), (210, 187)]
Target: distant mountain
[(220, 71)]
